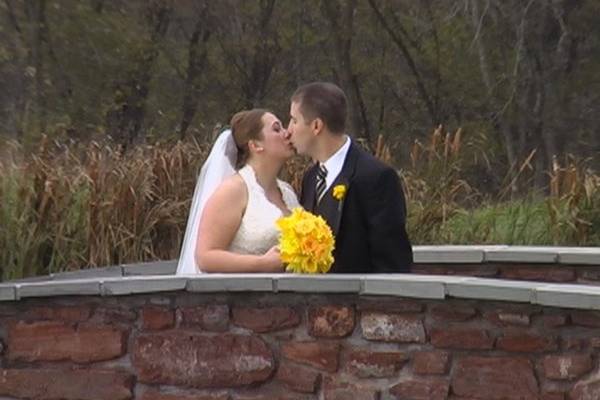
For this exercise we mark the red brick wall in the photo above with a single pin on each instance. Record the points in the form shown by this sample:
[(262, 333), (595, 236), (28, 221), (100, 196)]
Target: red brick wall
[(294, 347), (528, 272)]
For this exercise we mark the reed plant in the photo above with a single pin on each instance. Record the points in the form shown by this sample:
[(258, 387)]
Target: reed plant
[(66, 206), (70, 207), (434, 184)]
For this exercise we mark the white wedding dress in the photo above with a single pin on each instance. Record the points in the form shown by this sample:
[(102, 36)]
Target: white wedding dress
[(257, 232)]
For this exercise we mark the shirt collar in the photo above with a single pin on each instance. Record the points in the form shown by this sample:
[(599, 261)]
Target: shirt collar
[(335, 163)]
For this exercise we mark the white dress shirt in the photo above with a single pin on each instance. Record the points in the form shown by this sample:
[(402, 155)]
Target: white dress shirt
[(335, 163)]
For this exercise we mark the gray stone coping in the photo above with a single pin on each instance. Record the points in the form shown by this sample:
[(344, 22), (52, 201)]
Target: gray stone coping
[(448, 255), (128, 279), (415, 286), (506, 254)]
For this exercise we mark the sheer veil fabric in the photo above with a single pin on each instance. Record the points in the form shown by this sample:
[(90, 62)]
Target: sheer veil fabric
[(219, 165)]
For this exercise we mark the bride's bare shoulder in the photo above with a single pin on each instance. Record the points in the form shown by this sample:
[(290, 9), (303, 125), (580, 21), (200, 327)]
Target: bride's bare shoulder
[(232, 188)]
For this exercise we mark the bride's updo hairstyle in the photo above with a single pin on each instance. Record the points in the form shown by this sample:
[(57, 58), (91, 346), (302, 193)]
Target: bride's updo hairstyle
[(246, 126)]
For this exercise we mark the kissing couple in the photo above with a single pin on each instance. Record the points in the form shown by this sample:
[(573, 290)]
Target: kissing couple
[(239, 198)]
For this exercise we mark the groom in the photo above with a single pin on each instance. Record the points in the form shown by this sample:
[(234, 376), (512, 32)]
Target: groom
[(360, 197)]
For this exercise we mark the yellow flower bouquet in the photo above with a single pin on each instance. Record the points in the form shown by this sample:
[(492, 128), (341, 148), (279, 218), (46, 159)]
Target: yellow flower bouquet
[(306, 242)]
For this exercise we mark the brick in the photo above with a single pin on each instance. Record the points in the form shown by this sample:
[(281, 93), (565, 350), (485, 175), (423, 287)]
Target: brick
[(52, 384), (421, 389), (482, 270), (156, 395), (267, 319), (589, 319), (114, 315), (461, 338), (595, 342), (508, 318), (57, 341), (331, 321), (61, 313), (365, 363), (552, 396), (589, 274), (194, 360), (402, 328), (271, 395), (553, 320), (452, 312), (392, 305), (157, 318), (538, 274), (298, 378), (566, 367), (8, 310), (526, 342), (587, 388), (494, 378), (431, 362), (213, 318), (334, 390), (426, 269), (573, 343), (321, 355)]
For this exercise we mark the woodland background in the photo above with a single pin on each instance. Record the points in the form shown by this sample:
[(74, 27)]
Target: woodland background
[(488, 108)]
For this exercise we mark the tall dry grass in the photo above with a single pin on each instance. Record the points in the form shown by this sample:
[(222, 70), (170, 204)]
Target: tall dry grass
[(574, 202), (447, 206), (434, 183), (71, 206)]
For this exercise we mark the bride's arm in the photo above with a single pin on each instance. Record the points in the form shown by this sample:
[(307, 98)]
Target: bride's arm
[(220, 221)]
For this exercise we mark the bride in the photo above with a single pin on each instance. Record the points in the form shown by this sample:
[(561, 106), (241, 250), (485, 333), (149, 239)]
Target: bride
[(231, 227)]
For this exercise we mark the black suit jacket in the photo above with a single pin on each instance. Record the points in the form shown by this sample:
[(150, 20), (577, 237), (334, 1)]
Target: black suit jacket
[(369, 223)]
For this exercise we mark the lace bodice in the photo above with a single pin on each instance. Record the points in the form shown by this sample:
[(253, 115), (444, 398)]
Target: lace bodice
[(257, 232)]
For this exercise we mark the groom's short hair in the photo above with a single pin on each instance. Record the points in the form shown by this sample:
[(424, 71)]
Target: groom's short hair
[(323, 100)]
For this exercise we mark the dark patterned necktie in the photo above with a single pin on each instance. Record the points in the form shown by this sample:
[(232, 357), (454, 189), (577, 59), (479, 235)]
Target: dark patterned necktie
[(321, 176)]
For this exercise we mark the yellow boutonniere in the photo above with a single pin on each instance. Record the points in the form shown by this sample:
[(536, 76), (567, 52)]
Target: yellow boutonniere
[(339, 192)]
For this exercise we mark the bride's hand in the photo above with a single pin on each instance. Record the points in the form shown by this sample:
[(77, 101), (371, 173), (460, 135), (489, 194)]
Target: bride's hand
[(272, 260)]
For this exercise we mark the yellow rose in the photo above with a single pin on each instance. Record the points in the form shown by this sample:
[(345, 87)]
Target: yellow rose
[(339, 192)]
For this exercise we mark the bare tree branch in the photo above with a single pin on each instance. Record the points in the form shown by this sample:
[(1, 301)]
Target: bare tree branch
[(410, 61)]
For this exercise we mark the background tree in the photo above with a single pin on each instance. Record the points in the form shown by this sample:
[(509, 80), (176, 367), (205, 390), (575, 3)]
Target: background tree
[(125, 119), (521, 77)]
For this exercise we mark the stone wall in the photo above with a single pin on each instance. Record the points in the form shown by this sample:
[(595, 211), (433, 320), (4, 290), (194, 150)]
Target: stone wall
[(295, 346), (559, 273), (527, 263)]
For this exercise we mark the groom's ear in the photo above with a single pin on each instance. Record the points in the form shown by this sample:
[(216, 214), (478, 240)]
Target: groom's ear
[(317, 125)]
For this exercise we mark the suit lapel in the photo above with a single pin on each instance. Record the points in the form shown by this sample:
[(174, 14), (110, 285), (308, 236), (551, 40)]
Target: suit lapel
[(329, 207), (308, 190)]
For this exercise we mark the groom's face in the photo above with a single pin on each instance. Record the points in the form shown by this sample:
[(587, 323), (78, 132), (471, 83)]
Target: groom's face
[(300, 130)]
